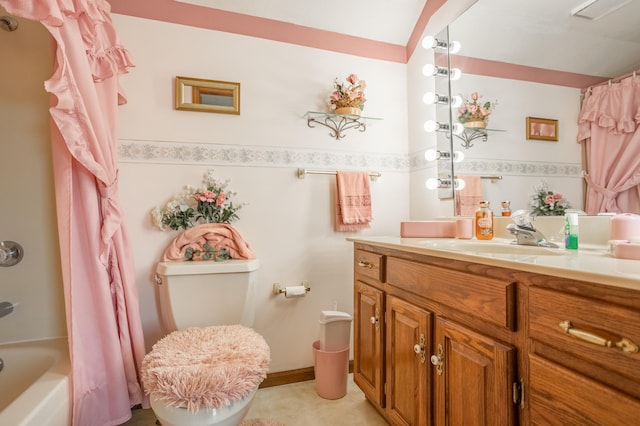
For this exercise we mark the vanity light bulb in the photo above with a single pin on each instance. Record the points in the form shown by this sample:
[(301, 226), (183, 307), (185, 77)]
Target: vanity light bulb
[(454, 47), (429, 42), (456, 101), (458, 128), (432, 183), (459, 184), (429, 98), (430, 126), (431, 155), (458, 156), (429, 70), (455, 74)]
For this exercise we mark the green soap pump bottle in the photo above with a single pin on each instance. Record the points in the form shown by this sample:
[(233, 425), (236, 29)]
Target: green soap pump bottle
[(571, 231)]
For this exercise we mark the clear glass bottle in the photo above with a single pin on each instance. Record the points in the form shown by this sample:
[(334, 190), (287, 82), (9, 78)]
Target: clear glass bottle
[(484, 222), (506, 208)]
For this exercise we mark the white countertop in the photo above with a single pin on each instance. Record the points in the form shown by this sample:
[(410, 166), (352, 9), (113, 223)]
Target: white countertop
[(590, 263)]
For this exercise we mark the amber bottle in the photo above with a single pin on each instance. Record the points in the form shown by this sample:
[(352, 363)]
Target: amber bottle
[(506, 208), (484, 222)]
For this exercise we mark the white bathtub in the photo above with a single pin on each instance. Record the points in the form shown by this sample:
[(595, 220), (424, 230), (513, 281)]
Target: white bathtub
[(34, 383)]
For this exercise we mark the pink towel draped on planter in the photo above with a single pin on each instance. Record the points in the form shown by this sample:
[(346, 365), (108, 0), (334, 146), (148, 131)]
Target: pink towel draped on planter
[(353, 207), (217, 235)]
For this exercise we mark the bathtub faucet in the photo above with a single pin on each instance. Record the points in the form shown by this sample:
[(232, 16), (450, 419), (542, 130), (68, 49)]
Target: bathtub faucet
[(5, 308)]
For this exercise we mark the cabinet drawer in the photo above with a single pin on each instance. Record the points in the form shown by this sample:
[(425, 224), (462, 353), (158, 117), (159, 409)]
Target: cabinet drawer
[(559, 396), (369, 265), (589, 320), (490, 299)]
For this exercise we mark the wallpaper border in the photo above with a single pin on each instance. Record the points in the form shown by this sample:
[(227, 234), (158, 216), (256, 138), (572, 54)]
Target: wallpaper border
[(167, 152)]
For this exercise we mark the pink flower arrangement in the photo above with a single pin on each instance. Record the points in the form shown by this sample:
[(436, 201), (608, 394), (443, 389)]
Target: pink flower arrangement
[(349, 94), (210, 204), (548, 203), (473, 110), (207, 196)]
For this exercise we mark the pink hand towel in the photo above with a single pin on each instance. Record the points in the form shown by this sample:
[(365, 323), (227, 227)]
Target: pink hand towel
[(353, 209), (218, 235), (468, 198)]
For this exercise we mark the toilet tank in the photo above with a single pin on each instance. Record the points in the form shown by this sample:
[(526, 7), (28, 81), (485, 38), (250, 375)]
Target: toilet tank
[(206, 293)]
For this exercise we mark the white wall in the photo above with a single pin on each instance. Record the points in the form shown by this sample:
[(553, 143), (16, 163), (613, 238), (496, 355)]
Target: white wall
[(27, 210), (288, 221)]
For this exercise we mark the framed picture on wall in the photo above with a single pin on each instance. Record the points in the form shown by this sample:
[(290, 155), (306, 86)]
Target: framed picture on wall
[(542, 129)]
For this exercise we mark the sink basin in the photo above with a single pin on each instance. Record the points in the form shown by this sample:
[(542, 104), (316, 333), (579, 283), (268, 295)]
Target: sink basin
[(495, 247)]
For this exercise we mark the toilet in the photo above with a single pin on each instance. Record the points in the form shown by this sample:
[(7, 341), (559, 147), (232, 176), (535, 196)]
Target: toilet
[(208, 367)]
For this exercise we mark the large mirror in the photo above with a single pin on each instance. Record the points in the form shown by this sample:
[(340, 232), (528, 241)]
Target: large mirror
[(542, 35)]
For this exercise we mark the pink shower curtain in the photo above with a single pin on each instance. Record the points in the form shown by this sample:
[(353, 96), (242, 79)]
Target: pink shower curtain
[(103, 320), (608, 126)]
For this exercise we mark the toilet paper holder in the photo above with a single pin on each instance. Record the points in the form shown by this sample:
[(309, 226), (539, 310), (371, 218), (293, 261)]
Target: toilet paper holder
[(278, 289)]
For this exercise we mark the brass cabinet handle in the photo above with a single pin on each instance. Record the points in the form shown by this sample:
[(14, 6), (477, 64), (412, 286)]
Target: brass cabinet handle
[(365, 264), (625, 345), (420, 348), (437, 360)]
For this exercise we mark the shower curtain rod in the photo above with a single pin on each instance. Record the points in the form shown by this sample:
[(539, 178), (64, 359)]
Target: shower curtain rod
[(613, 80)]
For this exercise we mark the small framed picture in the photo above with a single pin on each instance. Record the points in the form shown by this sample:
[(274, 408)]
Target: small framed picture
[(542, 129)]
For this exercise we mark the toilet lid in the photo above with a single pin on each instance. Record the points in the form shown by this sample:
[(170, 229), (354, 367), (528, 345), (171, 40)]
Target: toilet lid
[(206, 367)]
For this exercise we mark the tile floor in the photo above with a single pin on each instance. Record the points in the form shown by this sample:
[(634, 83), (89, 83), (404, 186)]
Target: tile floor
[(299, 404)]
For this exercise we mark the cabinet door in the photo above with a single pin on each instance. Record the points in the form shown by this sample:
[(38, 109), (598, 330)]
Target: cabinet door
[(473, 378), (368, 356), (408, 347)]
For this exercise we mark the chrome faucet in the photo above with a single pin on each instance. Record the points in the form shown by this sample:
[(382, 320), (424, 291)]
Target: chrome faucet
[(525, 233)]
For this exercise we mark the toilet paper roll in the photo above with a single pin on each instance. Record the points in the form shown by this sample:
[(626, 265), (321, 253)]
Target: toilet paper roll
[(295, 291)]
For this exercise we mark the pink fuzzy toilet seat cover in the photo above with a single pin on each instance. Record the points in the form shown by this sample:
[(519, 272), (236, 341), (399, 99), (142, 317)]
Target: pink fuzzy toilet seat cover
[(208, 367)]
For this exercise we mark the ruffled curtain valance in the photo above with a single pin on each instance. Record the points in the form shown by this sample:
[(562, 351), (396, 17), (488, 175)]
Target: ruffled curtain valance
[(615, 108), (106, 57)]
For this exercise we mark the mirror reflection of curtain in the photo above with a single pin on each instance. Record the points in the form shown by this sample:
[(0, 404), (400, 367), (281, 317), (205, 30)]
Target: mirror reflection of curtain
[(608, 126)]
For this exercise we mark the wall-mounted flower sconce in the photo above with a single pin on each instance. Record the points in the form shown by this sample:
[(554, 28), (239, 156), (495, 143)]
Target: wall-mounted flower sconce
[(432, 155), (431, 98), (430, 70), (430, 42), (436, 183), (434, 126)]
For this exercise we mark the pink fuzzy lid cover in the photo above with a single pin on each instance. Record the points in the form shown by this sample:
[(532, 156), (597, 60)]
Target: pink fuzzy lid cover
[(209, 367)]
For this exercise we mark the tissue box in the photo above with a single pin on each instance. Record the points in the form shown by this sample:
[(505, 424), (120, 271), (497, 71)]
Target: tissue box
[(428, 229)]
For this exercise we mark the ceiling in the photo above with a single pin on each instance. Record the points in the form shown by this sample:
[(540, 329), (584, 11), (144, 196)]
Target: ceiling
[(539, 33)]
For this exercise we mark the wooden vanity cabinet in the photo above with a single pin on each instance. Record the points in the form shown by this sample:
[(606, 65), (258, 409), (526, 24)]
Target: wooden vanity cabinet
[(466, 343), (436, 368)]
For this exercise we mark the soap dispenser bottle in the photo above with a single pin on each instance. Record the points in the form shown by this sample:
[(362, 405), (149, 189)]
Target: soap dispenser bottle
[(571, 231), (484, 222)]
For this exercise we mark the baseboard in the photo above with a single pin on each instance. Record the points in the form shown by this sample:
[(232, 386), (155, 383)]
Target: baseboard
[(292, 376)]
